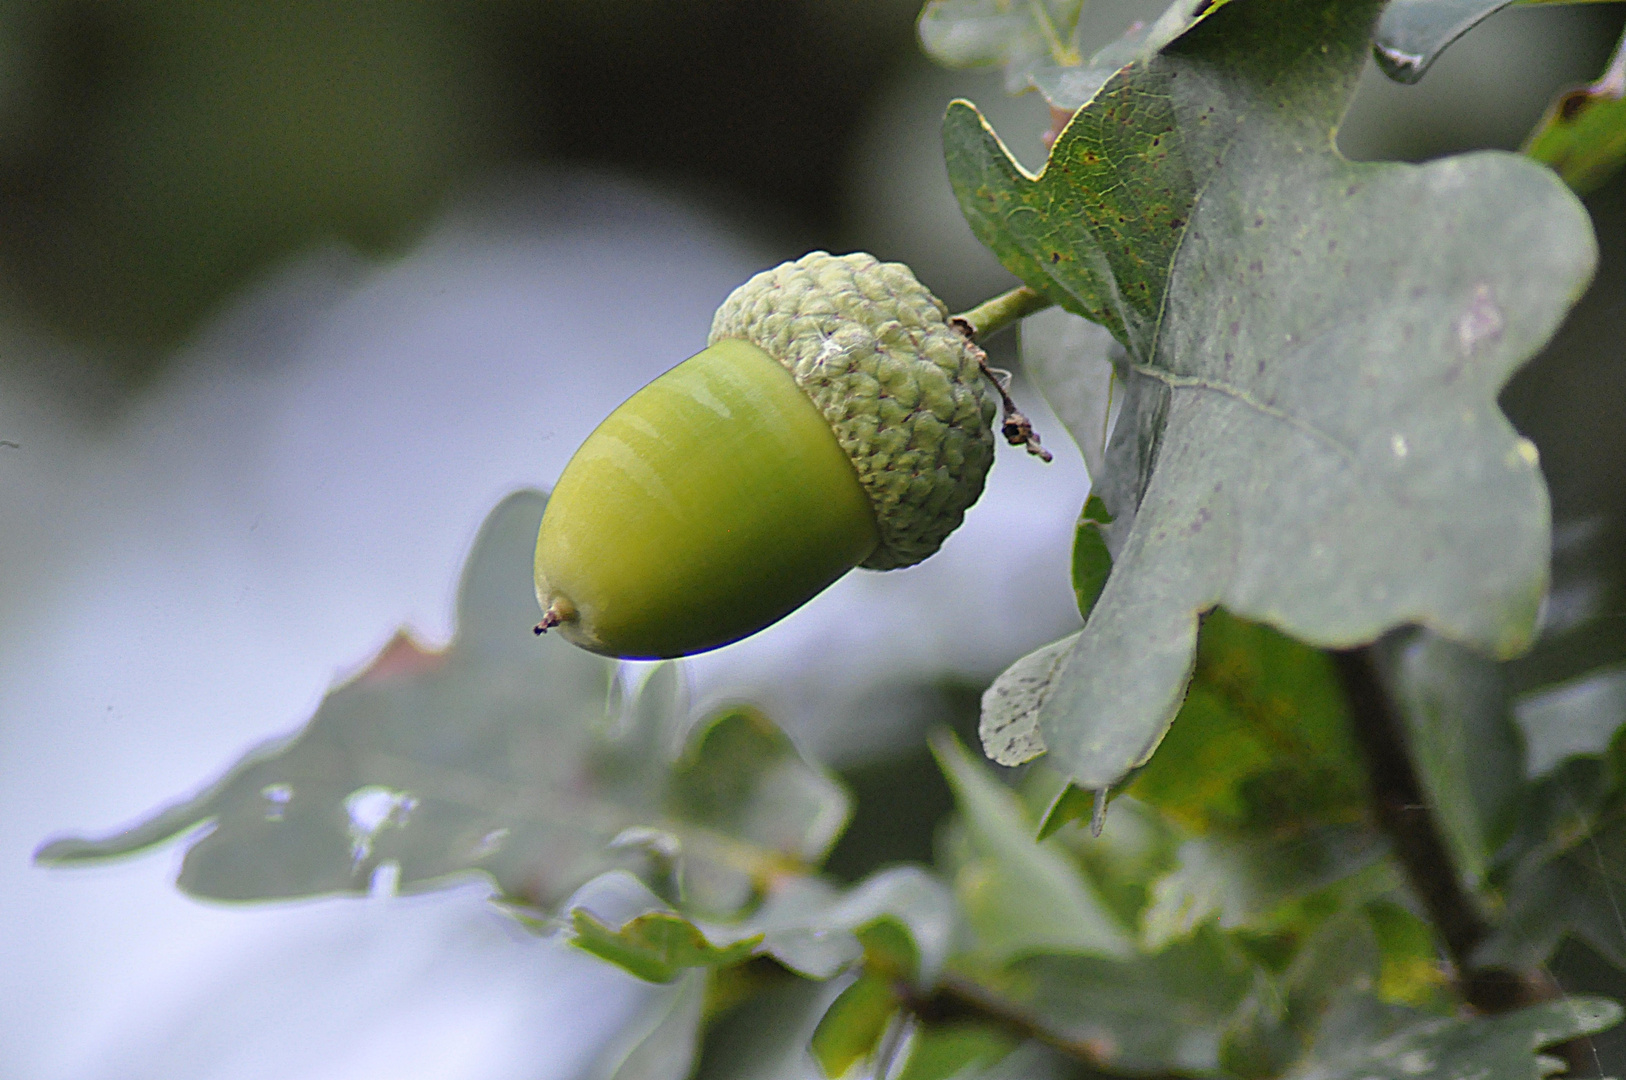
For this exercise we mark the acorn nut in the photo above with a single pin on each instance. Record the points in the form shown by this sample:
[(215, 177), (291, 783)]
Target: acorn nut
[(835, 419)]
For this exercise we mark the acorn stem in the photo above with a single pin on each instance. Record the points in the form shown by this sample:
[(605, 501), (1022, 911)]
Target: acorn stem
[(991, 316)]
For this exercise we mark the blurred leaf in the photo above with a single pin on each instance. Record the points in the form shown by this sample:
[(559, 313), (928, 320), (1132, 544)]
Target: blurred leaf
[(1272, 456), (1092, 563), (1502, 1047), (656, 947), (1413, 33), (1241, 883), (1074, 804), (1020, 896), (1462, 743), (853, 1025), (942, 1051), (1583, 135), (816, 929), (890, 950), (1069, 88), (1574, 719), (743, 778), (1411, 973), (1565, 869), (1018, 35), (1009, 728), (1156, 1014), (1037, 43), (662, 1041), (768, 1037), (498, 756), (1136, 847), (1333, 951)]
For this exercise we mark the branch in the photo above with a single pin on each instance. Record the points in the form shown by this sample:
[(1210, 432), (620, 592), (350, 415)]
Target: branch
[(1402, 812), (962, 999), (991, 316)]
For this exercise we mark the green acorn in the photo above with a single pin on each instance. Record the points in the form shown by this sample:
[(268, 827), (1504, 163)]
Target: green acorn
[(836, 419)]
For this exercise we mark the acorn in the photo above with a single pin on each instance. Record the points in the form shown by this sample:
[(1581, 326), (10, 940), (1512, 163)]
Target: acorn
[(837, 418)]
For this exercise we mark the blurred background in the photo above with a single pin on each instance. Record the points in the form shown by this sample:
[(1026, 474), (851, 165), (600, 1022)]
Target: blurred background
[(292, 294)]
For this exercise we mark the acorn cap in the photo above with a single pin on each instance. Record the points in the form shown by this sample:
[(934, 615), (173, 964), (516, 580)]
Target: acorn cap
[(900, 387)]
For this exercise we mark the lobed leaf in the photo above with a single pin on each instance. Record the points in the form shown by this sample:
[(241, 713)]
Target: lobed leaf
[(499, 756), (1309, 434), (1502, 1047), (1009, 725), (1261, 744), (657, 946)]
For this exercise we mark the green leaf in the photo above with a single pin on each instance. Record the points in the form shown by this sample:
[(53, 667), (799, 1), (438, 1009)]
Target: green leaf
[(1411, 973), (1583, 135), (1573, 719), (1413, 33), (1020, 896), (852, 1027), (814, 928), (890, 950), (1092, 563), (499, 756), (741, 777), (656, 947), (767, 1037), (1334, 950), (1310, 435), (1502, 1047), (1565, 870), (943, 1051), (1463, 744), (1262, 742), (1073, 804), (1150, 1014), (1240, 884)]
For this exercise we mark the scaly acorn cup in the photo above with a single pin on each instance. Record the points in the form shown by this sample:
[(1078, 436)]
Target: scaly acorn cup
[(836, 419)]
